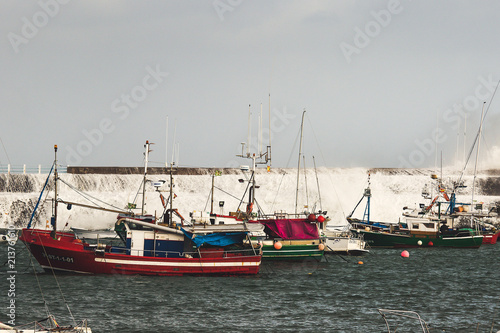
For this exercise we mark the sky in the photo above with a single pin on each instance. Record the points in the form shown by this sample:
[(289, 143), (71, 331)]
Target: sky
[(383, 83)]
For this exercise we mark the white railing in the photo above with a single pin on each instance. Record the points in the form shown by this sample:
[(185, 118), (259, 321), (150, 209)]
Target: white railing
[(29, 169)]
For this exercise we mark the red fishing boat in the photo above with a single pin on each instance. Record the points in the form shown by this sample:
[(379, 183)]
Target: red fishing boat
[(65, 252), (147, 247), (491, 238)]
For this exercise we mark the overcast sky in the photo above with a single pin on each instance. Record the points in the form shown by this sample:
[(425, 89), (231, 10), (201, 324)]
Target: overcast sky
[(377, 80)]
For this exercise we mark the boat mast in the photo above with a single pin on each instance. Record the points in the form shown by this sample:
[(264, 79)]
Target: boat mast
[(212, 195), (298, 167), (317, 183), (263, 158), (268, 157), (249, 131), (305, 179), (173, 141), (368, 195), (54, 218), (171, 194), (166, 145), (475, 164), (146, 155)]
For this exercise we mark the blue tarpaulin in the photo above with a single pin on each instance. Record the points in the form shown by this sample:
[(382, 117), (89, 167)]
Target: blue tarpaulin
[(216, 239)]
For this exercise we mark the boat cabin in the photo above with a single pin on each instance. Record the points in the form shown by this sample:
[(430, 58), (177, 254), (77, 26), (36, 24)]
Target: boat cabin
[(151, 240), (419, 226)]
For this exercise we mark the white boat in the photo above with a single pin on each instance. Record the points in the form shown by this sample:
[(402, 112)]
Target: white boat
[(94, 234), (48, 325), (343, 242)]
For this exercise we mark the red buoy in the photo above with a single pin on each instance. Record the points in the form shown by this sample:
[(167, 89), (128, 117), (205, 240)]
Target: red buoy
[(321, 219), (430, 243), (311, 218)]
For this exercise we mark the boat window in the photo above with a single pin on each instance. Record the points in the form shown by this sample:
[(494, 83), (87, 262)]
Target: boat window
[(429, 225), (415, 226)]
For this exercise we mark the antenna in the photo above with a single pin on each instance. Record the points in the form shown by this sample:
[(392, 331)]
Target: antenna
[(260, 130), (249, 131), (173, 144), (269, 147), (465, 136), (436, 142), (146, 158), (177, 154), (166, 145)]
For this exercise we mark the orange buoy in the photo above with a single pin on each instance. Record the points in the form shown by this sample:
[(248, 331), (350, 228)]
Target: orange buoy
[(278, 245), (321, 247), (360, 262), (430, 243), (405, 254)]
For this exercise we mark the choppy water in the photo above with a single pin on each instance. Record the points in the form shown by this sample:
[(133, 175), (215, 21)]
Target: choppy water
[(454, 290)]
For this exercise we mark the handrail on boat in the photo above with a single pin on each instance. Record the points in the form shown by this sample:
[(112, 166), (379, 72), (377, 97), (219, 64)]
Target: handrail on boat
[(406, 314), (180, 254)]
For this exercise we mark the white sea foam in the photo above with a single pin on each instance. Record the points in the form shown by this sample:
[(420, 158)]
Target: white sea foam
[(340, 190)]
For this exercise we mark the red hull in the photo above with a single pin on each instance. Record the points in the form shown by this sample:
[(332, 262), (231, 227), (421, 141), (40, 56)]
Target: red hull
[(66, 253), (490, 238)]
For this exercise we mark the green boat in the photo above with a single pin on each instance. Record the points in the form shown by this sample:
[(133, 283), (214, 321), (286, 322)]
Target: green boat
[(421, 232), (278, 249)]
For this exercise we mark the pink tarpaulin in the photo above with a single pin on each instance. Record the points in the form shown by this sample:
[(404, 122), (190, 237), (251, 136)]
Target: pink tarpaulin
[(291, 229)]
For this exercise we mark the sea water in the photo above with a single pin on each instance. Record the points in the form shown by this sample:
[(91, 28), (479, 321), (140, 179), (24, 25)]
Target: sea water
[(453, 290)]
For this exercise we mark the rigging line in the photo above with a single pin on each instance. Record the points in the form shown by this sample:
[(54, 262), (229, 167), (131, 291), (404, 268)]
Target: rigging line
[(316, 139), (246, 190), (324, 162), (5, 150), (55, 278), (38, 282), (477, 135), (138, 191), (208, 199), (232, 196), (277, 192), (37, 216), (142, 181), (317, 183), (41, 193), (293, 149), (259, 208), (86, 196)]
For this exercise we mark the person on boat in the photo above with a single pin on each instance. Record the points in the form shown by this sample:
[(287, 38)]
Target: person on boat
[(444, 228)]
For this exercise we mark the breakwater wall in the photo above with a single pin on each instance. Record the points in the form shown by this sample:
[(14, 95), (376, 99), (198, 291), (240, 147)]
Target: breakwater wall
[(339, 191)]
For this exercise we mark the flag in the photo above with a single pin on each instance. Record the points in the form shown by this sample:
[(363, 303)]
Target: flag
[(218, 173), (131, 206)]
